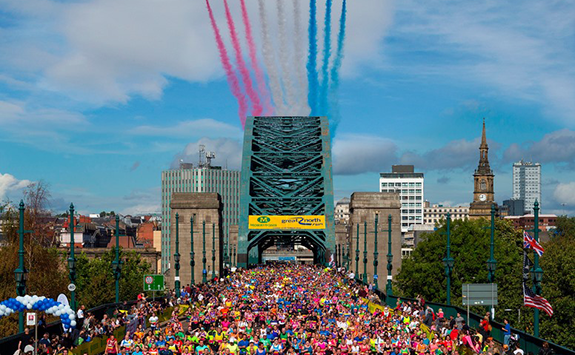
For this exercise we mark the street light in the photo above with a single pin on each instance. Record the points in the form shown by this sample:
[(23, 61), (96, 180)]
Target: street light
[(72, 259), (389, 289), (204, 271), (448, 261), (21, 274), (192, 253), (365, 253), (537, 271), (375, 253), (177, 257), (492, 263), (117, 263), (213, 251), (357, 254)]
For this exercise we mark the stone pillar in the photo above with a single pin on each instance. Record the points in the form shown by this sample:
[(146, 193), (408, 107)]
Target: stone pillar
[(203, 207), (363, 207), (234, 230)]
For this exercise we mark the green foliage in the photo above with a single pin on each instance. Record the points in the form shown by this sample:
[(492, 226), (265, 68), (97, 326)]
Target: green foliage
[(424, 272), (558, 264), (96, 282), (46, 272)]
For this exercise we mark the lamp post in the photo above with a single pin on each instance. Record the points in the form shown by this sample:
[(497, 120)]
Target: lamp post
[(375, 253), (234, 256), (117, 263), (338, 263), (492, 263), (213, 251), (537, 272), (448, 261), (204, 271), (72, 259), (21, 274), (365, 253), (357, 254), (177, 257), (192, 253), (389, 289)]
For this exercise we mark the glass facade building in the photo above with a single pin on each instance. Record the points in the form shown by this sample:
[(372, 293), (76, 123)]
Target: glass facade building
[(207, 179)]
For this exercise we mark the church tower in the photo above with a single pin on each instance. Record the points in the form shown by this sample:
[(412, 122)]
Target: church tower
[(483, 195)]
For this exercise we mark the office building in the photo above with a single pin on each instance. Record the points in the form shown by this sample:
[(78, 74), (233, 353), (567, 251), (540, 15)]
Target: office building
[(409, 184), (432, 214), (527, 183), (204, 178), (341, 215), (513, 207)]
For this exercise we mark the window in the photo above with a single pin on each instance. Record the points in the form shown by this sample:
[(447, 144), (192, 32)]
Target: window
[(384, 184)]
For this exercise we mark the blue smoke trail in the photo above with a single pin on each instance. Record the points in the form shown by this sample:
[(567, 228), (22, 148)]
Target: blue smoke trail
[(311, 66), (334, 105), (323, 109)]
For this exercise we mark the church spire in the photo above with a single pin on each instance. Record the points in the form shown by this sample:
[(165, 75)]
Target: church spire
[(483, 167), (483, 138)]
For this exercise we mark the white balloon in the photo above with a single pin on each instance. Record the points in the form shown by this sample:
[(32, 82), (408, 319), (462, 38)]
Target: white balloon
[(29, 306), (58, 313), (72, 316), (73, 323)]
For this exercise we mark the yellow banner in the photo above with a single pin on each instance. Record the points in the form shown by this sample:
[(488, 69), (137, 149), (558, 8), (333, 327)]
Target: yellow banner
[(286, 222)]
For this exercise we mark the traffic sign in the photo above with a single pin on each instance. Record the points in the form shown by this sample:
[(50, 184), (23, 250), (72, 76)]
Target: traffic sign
[(479, 294), (71, 287), (30, 319), (153, 282)]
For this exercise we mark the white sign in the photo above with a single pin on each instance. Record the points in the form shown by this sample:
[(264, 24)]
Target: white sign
[(30, 318), (71, 287)]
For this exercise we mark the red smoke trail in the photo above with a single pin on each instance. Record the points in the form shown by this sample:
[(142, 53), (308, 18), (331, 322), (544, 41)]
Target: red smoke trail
[(261, 82), (231, 76), (245, 73)]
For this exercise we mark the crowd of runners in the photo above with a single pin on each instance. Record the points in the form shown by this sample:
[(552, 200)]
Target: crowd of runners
[(291, 309)]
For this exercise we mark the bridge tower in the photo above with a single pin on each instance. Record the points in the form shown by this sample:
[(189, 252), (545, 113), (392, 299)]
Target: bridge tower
[(286, 171)]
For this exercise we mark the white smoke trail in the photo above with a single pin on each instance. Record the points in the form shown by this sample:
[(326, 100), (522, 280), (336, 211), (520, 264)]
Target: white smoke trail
[(269, 62), (299, 65), (285, 60)]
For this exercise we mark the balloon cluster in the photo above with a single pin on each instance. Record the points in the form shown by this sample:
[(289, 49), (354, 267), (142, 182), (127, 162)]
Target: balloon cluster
[(48, 305)]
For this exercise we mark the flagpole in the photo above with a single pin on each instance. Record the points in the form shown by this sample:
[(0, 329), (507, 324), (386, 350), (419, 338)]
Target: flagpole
[(537, 271)]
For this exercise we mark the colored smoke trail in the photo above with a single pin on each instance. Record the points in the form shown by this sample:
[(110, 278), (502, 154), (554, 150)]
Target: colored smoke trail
[(323, 109), (311, 66), (260, 79), (244, 72), (269, 62), (233, 81), (285, 58), (298, 65), (334, 104)]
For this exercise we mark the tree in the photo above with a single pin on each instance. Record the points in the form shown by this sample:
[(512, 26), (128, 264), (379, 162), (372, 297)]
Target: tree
[(46, 271), (424, 274), (558, 285), (95, 278)]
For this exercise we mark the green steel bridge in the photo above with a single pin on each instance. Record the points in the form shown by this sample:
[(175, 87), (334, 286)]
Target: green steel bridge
[(286, 171)]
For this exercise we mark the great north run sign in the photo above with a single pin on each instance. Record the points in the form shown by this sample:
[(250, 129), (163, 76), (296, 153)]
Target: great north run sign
[(286, 222)]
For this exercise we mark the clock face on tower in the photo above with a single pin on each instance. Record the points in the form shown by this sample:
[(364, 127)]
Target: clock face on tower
[(482, 197)]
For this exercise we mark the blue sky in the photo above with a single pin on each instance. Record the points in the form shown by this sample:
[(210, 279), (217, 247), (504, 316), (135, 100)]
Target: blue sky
[(98, 97)]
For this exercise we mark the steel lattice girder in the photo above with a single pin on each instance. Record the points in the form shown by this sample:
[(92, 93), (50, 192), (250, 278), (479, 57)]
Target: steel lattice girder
[(286, 170)]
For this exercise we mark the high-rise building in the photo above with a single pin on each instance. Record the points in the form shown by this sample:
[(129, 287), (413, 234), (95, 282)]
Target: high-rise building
[(205, 178), (527, 183), (341, 215), (409, 184), (483, 194), (513, 207)]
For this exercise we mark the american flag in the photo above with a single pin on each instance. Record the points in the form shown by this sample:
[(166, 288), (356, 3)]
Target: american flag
[(529, 242), (530, 299)]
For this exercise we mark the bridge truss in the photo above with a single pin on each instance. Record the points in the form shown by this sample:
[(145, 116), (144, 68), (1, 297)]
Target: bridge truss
[(286, 171)]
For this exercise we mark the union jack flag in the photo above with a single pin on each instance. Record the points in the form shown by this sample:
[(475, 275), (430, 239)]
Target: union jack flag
[(529, 242)]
